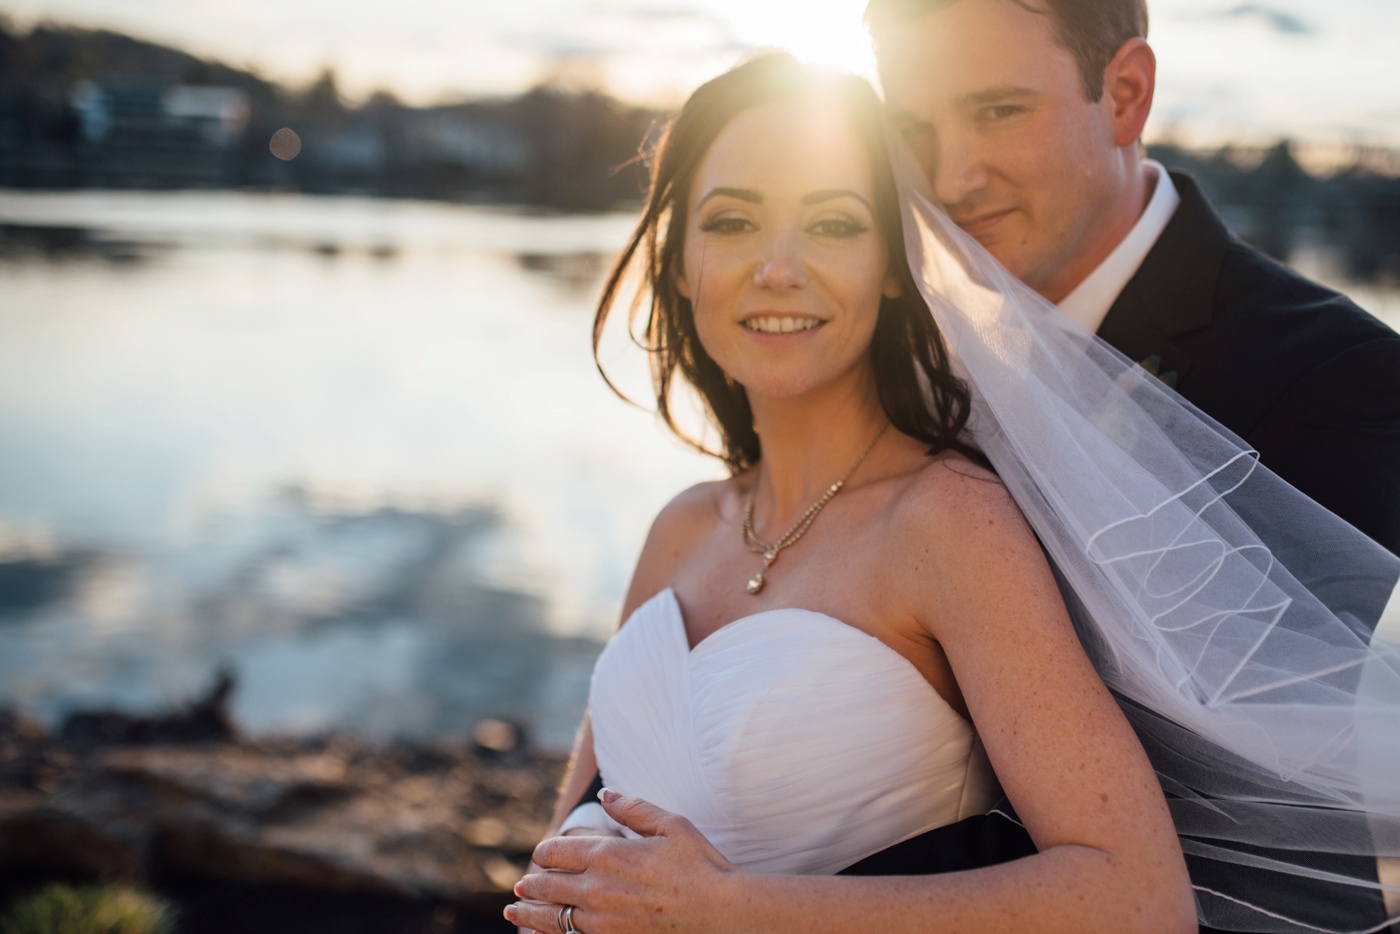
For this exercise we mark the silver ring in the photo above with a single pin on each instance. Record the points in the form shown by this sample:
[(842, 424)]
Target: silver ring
[(566, 919)]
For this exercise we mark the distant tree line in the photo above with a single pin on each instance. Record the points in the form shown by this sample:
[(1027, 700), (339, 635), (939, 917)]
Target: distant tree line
[(1274, 203), (89, 108)]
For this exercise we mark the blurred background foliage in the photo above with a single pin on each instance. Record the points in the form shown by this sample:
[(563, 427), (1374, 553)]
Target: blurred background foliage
[(64, 909)]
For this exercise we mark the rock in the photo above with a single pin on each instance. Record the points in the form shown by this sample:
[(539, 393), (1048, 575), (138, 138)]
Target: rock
[(205, 720), (16, 724), (435, 821), (500, 738), (35, 834)]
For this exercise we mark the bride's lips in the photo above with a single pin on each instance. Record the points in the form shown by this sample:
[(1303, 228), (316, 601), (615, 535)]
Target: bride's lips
[(979, 225)]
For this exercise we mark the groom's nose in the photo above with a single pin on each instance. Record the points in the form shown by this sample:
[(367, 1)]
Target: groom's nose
[(955, 167)]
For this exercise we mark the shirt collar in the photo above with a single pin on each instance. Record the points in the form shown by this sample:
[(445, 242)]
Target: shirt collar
[(1090, 301)]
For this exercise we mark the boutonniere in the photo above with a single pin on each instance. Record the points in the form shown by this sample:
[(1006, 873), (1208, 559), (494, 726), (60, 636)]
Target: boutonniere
[(1153, 365)]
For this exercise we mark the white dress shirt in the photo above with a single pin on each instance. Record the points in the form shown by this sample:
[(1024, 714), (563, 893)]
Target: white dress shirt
[(1090, 301)]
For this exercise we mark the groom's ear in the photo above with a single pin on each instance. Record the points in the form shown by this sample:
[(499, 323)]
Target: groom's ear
[(1129, 81)]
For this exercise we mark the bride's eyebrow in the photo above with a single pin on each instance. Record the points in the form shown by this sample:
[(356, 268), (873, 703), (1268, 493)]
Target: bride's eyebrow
[(830, 194), (813, 197), (743, 194)]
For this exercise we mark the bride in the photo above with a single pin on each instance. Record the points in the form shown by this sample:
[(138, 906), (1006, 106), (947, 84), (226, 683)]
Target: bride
[(857, 637)]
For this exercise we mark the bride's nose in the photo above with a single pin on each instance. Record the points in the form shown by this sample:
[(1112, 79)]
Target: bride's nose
[(781, 266)]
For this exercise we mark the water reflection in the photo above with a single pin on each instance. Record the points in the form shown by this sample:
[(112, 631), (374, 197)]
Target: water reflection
[(376, 620), (576, 271), (357, 450), (30, 583), (30, 242)]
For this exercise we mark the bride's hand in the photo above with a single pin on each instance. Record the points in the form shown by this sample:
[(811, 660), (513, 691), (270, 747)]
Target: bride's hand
[(571, 832), (671, 875)]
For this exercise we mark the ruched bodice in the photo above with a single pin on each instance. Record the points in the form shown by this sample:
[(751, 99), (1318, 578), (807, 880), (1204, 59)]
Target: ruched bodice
[(794, 742)]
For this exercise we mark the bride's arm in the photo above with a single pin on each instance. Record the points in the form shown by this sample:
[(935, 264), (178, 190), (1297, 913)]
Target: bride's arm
[(1109, 859), (671, 538), (578, 775)]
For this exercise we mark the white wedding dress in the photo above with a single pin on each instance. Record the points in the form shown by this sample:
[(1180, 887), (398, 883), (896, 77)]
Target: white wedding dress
[(794, 742)]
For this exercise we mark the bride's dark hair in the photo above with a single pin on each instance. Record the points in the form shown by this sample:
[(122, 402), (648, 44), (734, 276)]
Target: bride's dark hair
[(920, 396)]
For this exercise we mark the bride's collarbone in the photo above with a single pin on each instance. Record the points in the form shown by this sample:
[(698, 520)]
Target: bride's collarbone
[(836, 569), (714, 589)]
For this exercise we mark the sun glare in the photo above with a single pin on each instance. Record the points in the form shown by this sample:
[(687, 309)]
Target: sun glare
[(825, 33)]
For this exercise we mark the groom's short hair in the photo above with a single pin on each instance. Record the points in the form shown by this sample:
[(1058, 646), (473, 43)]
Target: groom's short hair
[(1092, 30)]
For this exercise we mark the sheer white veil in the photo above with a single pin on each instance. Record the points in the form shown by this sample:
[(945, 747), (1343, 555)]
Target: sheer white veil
[(1228, 612)]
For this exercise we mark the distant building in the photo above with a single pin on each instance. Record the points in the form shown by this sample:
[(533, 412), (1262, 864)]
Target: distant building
[(221, 114), (140, 132), (448, 136)]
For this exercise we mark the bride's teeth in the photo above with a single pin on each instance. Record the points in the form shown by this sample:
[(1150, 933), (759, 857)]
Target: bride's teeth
[(775, 325)]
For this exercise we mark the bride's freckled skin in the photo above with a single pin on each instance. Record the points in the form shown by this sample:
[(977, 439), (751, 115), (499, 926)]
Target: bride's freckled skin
[(784, 263)]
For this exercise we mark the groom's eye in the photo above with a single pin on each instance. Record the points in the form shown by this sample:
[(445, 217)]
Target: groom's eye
[(1001, 111)]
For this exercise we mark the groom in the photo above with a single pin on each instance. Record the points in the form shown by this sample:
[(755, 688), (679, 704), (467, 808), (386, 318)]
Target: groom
[(1026, 117)]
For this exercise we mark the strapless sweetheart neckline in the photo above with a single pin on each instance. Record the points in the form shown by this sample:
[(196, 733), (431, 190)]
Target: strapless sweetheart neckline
[(793, 741), (669, 594)]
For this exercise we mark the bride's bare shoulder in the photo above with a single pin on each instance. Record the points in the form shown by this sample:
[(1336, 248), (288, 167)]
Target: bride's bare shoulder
[(680, 528), (692, 514), (959, 543), (951, 503)]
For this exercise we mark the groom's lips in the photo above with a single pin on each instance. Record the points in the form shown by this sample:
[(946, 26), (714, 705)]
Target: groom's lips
[(979, 225)]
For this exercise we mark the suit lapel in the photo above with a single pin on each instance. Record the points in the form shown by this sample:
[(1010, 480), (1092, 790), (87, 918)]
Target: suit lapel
[(1173, 292)]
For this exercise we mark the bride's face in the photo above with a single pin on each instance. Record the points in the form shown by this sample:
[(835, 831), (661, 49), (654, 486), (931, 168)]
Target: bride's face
[(784, 263)]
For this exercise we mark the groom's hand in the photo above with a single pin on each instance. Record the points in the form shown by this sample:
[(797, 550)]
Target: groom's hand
[(672, 877)]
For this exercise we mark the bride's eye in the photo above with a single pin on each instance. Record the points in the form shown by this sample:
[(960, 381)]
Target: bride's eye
[(841, 227), (725, 225)]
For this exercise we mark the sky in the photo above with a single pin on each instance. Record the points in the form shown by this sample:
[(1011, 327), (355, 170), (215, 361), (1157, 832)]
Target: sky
[(1229, 70)]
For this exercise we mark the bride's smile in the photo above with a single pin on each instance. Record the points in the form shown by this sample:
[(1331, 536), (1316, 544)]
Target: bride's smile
[(784, 264), (780, 323)]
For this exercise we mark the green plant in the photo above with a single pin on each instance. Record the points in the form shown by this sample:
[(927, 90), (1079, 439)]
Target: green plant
[(63, 909)]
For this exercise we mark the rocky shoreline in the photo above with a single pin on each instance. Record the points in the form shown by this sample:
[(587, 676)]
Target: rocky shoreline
[(242, 834)]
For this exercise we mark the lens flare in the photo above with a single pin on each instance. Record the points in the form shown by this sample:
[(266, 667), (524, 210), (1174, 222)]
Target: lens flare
[(285, 144)]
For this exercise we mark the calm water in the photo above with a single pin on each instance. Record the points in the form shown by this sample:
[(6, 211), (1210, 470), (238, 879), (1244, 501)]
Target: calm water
[(355, 449)]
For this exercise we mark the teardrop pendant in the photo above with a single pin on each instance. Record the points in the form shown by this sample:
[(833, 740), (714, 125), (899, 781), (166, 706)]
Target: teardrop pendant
[(756, 583)]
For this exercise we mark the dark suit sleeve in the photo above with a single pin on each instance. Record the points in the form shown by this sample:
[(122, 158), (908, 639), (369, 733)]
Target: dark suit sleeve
[(590, 794), (1335, 435), (972, 843)]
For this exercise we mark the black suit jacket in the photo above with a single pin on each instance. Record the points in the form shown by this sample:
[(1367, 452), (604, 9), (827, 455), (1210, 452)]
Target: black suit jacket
[(1304, 376)]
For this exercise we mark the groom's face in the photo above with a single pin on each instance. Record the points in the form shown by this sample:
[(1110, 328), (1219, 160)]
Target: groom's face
[(993, 107)]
